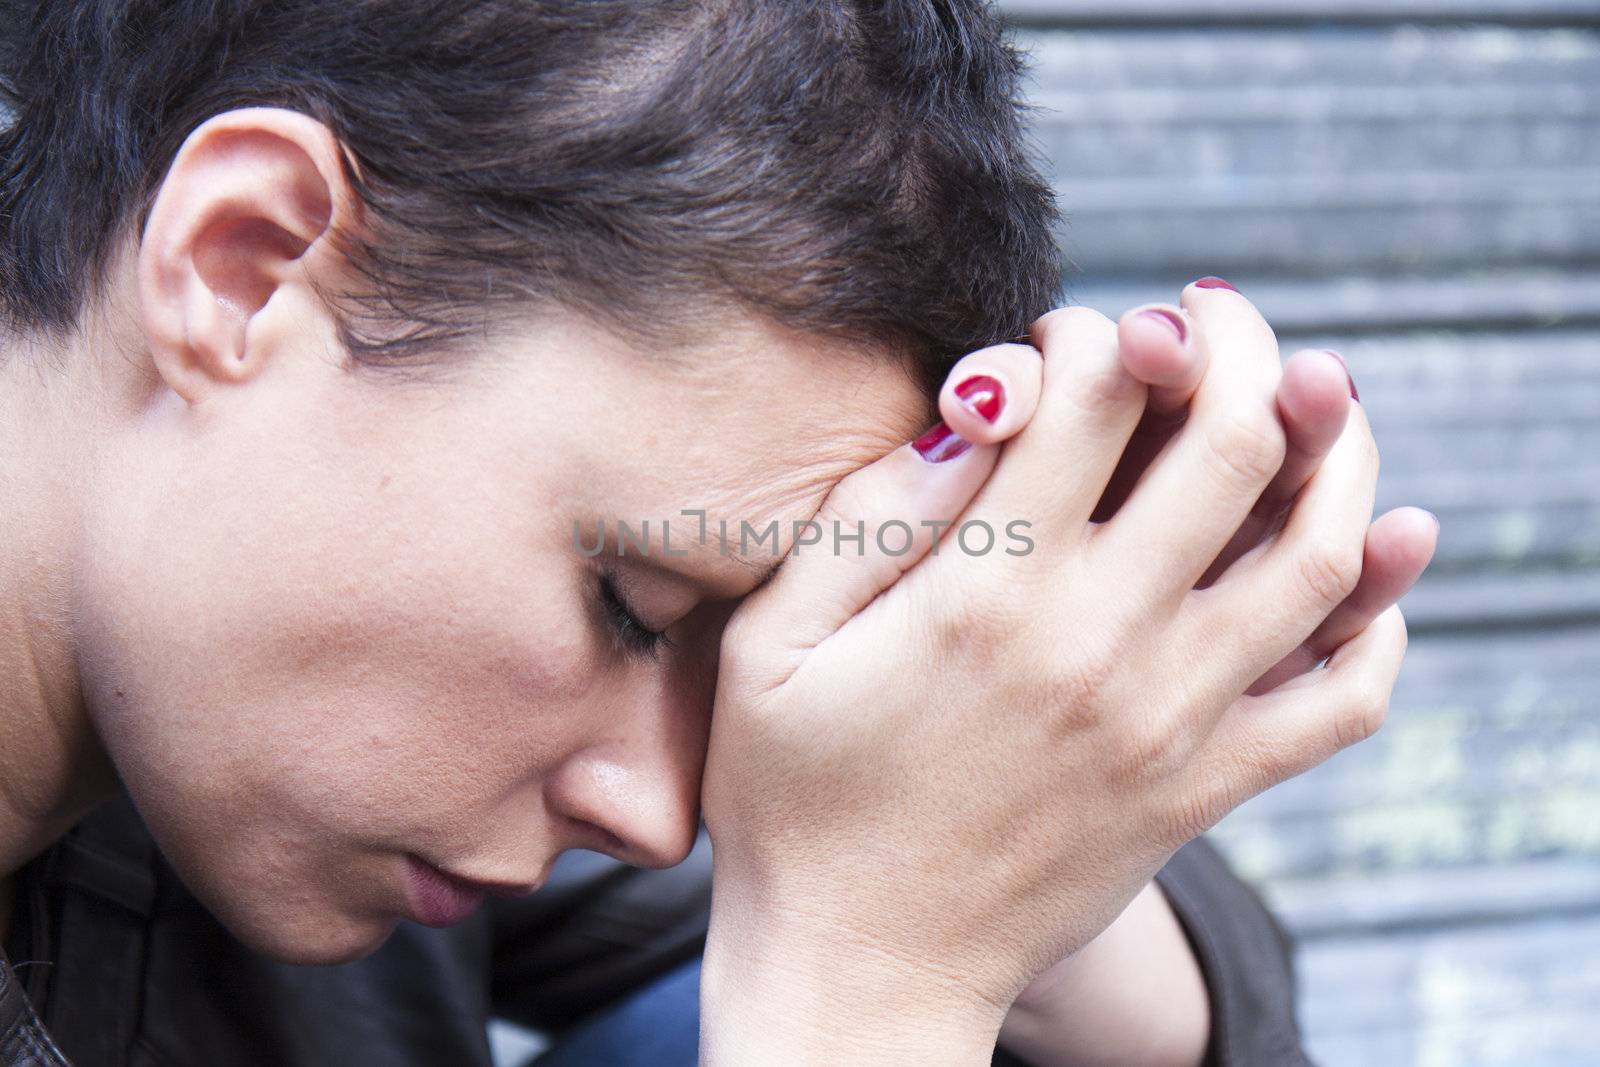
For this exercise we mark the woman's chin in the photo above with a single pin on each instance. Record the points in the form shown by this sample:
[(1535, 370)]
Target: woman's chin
[(308, 935)]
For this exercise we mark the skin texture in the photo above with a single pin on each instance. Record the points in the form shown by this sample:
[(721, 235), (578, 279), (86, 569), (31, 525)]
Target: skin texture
[(318, 618)]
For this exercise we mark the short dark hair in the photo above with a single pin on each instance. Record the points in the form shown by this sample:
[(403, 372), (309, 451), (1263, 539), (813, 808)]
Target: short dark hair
[(853, 168)]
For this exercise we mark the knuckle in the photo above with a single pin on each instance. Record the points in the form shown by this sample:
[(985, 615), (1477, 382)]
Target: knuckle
[(1082, 367), (1246, 447), (1076, 688), (846, 502), (1402, 634), (1072, 697), (1329, 572), (1362, 718), (1055, 327), (1269, 761), (1152, 751), (974, 624), (1004, 350), (1109, 387)]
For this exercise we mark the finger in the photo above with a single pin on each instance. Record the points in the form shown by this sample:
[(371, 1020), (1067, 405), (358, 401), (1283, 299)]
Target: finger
[(1313, 402), (1155, 343), (1400, 544), (873, 526), (1199, 488), (1264, 740), (1056, 468), (990, 394), (1273, 599)]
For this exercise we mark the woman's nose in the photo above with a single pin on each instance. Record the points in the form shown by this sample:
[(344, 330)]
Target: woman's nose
[(638, 782), (642, 811)]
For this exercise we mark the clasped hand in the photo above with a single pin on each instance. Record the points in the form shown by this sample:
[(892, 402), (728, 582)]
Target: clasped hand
[(934, 774)]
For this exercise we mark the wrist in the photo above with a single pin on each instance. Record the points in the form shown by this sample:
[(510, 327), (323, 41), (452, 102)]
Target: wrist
[(776, 989)]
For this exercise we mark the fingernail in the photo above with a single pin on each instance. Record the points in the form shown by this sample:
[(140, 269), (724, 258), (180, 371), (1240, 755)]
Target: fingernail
[(1172, 322), (1212, 282), (983, 395), (940, 443), (1435, 519), (1353, 394)]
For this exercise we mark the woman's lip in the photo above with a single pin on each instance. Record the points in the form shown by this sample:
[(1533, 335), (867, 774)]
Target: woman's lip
[(441, 898), (436, 898), (494, 889)]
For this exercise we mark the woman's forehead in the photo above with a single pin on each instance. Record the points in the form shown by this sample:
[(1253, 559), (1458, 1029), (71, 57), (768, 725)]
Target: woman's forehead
[(752, 436), (751, 410)]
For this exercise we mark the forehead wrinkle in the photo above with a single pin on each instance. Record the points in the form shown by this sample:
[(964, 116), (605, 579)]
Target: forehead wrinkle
[(804, 484), (792, 497)]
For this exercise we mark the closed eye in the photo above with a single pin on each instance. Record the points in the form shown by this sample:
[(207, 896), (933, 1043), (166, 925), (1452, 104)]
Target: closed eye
[(634, 636)]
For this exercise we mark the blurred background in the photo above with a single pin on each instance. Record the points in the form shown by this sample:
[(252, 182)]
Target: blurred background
[(1416, 184)]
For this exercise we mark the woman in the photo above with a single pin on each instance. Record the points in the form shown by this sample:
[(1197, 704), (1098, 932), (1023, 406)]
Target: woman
[(336, 332)]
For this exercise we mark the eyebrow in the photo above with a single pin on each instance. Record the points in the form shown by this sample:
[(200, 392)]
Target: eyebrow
[(765, 571), (763, 566)]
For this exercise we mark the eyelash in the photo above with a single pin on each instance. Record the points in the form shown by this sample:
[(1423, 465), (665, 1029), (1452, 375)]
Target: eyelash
[(634, 635)]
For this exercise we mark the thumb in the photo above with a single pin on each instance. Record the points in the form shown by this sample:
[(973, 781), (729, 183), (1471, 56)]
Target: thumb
[(880, 521)]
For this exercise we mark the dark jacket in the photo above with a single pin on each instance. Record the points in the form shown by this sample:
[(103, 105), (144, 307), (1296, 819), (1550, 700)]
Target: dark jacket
[(125, 969)]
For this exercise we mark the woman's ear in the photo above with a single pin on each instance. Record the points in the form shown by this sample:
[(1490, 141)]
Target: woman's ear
[(246, 197)]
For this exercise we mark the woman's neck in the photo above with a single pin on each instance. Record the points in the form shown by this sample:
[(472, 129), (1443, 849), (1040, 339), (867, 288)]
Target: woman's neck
[(53, 769)]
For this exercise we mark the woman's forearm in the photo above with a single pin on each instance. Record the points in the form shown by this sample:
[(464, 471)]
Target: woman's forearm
[(1132, 997)]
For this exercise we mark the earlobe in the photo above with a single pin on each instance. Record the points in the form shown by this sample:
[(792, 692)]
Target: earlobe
[(244, 200)]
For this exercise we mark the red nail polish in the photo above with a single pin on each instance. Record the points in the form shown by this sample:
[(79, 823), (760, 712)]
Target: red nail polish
[(1166, 318), (1213, 282), (982, 395), (1353, 394), (940, 443)]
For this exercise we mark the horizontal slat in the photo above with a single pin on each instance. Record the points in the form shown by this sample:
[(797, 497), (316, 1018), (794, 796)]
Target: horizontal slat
[(1335, 104), (1474, 600), (1473, 769), (1360, 59), (1575, 482), (1484, 768), (1278, 160), (1070, 12), (1373, 150), (1411, 900), (1490, 754), (1513, 994), (1298, 306), (1278, 236), (1435, 836), (1329, 193)]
